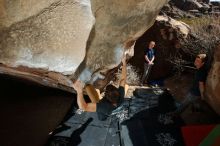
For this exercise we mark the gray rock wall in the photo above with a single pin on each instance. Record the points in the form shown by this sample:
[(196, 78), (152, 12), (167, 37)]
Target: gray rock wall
[(54, 36), (213, 82)]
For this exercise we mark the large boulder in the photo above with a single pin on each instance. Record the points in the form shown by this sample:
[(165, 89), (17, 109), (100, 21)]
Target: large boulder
[(54, 42), (213, 82), (187, 4), (192, 5), (174, 12), (204, 1), (48, 39)]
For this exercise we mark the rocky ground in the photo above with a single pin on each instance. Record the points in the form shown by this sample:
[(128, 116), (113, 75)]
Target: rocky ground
[(191, 8)]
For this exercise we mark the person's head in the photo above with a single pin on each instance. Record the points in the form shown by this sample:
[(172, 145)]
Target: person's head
[(151, 44), (200, 60), (112, 94)]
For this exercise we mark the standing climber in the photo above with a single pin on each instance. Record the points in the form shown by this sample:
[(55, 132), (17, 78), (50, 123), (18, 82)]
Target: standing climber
[(149, 57)]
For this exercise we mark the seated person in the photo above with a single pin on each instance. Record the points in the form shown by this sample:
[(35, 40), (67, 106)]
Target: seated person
[(112, 99)]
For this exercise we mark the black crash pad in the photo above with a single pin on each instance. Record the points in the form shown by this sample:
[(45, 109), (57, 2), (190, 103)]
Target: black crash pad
[(140, 120)]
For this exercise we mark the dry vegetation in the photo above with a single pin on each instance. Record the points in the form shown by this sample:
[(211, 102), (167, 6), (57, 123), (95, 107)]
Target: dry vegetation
[(205, 34), (133, 78)]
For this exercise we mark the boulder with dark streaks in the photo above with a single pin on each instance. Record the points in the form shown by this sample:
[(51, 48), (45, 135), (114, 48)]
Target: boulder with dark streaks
[(54, 42)]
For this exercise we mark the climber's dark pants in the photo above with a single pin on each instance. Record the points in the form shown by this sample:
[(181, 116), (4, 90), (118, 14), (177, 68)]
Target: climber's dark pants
[(147, 69)]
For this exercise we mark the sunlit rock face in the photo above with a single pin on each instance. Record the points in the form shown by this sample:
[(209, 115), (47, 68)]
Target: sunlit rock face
[(213, 82), (46, 41), (51, 37)]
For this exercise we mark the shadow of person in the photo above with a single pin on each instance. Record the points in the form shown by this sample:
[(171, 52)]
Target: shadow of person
[(75, 136)]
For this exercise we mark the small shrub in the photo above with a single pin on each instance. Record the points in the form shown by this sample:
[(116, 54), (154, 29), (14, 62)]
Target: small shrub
[(132, 76), (205, 34)]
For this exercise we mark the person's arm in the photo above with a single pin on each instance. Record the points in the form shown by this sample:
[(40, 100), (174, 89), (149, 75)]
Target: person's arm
[(152, 60), (93, 94), (89, 107), (146, 58), (202, 89), (123, 73)]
